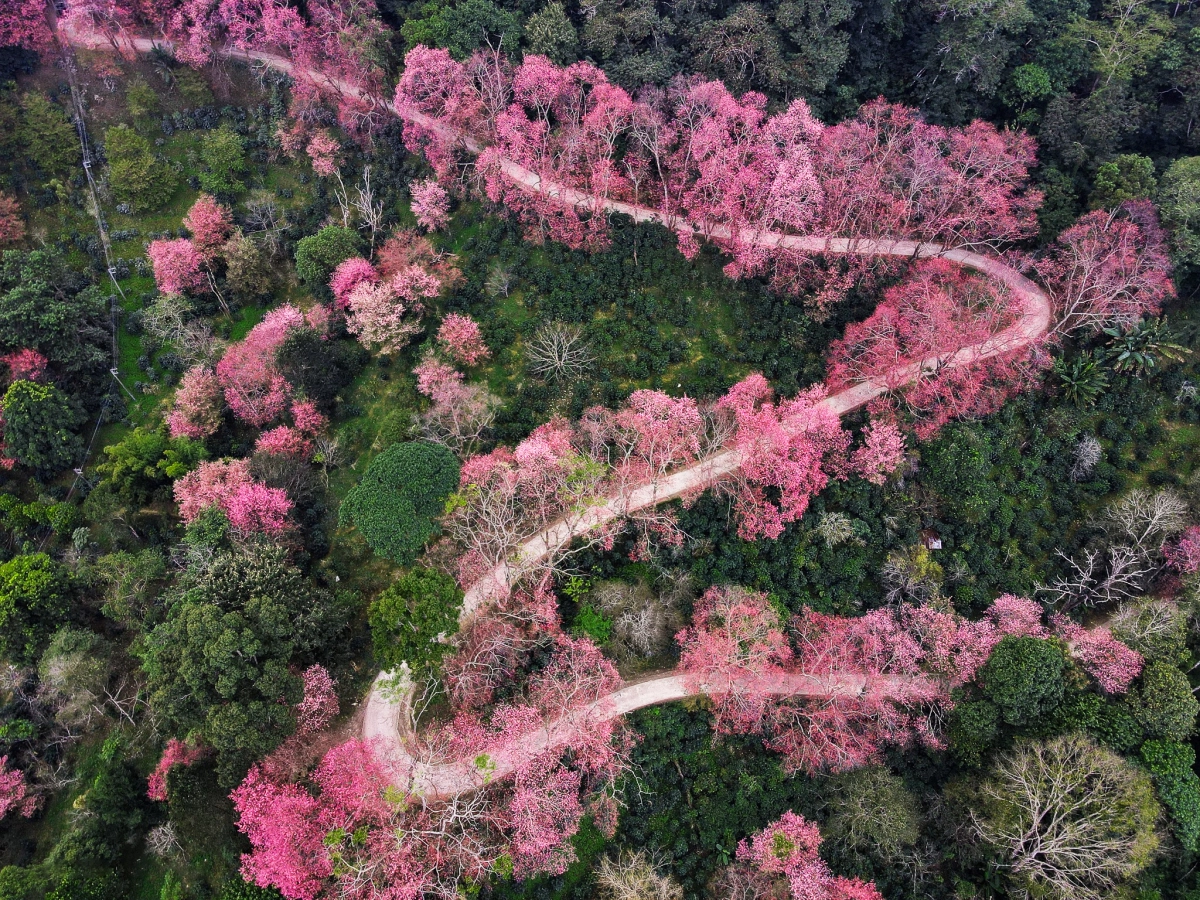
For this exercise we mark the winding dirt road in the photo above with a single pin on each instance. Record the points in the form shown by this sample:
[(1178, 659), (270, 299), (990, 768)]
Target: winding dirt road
[(387, 721)]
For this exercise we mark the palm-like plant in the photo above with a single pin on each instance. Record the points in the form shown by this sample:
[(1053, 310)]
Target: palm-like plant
[(1081, 379), (1140, 348)]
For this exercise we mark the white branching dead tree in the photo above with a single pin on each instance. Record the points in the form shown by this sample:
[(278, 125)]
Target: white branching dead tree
[(1098, 577), (559, 351)]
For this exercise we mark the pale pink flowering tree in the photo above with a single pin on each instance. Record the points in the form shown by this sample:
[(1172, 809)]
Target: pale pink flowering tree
[(430, 204), (354, 840), (460, 412), (1109, 269), (387, 316), (178, 266), (25, 365), (196, 413), (881, 453), (460, 338), (1113, 665), (176, 753), (788, 849), (210, 224), (792, 446), (324, 152), (349, 274), (253, 387), (14, 792)]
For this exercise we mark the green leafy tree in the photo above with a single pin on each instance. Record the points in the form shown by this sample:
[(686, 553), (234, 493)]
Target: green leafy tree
[(136, 176), (39, 426), (462, 26), (319, 254), (140, 98), (550, 33), (872, 813), (1128, 177), (398, 500), (56, 311), (223, 155), (227, 654), (1173, 766), (247, 268), (47, 136), (35, 596), (974, 727), (410, 619), (1025, 678), (131, 582), (146, 461), (1164, 704), (1179, 204)]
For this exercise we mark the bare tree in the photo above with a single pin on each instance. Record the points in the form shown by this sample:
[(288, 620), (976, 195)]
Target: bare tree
[(1147, 518), (634, 876), (1073, 821), (169, 320), (1097, 578), (911, 574), (368, 205), (643, 624), (559, 351), (1084, 457), (499, 280), (162, 841), (1157, 629), (835, 528), (265, 220)]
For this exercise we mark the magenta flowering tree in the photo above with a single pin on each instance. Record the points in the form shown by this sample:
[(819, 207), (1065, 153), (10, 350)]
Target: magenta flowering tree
[(1183, 555), (349, 274), (325, 153), (430, 204), (196, 413), (178, 266), (460, 338), (176, 753), (307, 418), (23, 23), (14, 792)]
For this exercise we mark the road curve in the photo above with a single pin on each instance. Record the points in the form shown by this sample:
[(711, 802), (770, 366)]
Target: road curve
[(387, 720)]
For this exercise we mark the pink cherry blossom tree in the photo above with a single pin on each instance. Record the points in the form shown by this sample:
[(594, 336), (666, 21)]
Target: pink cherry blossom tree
[(196, 413), (247, 373), (792, 446), (1109, 269), (349, 274), (228, 485), (14, 792), (386, 316), (881, 453), (788, 850), (25, 365), (1184, 554), (1113, 665), (459, 337), (325, 153), (284, 441), (210, 224), (176, 753), (23, 24), (460, 412), (178, 266), (12, 226), (430, 204), (307, 418)]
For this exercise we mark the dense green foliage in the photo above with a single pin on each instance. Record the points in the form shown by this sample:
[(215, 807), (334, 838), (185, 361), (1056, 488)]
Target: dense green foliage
[(319, 254), (39, 426), (398, 500), (1024, 678), (137, 177), (35, 595), (223, 658), (412, 620)]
